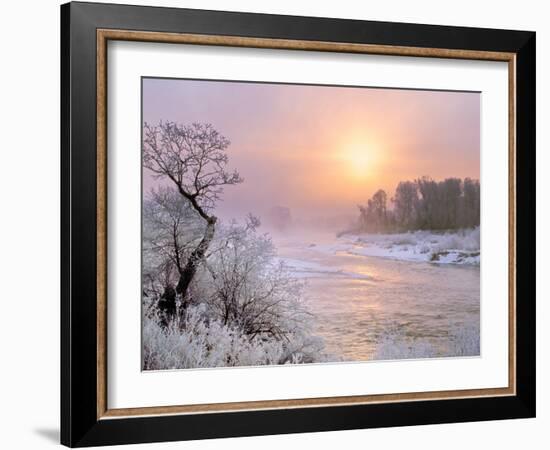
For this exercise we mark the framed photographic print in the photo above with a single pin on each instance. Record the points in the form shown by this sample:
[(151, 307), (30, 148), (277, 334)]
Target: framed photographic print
[(276, 224)]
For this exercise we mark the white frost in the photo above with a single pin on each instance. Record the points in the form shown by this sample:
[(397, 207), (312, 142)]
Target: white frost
[(463, 340), (456, 247)]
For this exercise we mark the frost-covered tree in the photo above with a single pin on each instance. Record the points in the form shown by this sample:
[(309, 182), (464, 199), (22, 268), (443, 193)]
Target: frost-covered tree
[(171, 230), (450, 191), (470, 213), (439, 207), (405, 199), (250, 310), (424, 204), (379, 205), (374, 216), (251, 289), (214, 293), (194, 159), (428, 205)]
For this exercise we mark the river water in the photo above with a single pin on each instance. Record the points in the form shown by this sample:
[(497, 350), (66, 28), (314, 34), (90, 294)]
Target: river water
[(358, 300)]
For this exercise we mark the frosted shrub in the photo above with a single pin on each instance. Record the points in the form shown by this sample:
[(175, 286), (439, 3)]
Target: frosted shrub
[(472, 239), (462, 341), (195, 342), (304, 348), (424, 248), (404, 239), (248, 288), (465, 340), (465, 240)]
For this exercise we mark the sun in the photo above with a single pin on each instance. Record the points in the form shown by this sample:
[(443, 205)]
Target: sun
[(360, 159)]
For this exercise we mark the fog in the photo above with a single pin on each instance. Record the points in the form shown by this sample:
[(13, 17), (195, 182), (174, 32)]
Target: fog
[(313, 153)]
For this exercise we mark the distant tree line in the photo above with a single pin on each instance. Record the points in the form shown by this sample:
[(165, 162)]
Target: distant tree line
[(423, 204)]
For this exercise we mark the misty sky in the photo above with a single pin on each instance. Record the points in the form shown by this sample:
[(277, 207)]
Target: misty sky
[(322, 150)]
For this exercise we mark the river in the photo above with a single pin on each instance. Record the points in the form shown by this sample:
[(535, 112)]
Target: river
[(357, 300)]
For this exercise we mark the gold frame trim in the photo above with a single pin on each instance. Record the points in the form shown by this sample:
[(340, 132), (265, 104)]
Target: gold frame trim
[(103, 36)]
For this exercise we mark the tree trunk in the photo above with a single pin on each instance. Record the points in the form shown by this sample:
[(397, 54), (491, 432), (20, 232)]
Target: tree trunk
[(190, 269), (167, 306)]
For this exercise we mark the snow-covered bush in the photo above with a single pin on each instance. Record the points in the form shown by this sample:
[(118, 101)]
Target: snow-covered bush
[(251, 289), (404, 239), (462, 340), (196, 341), (467, 240), (465, 340)]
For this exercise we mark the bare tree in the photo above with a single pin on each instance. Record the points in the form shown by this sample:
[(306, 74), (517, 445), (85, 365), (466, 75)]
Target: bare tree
[(379, 200), (194, 158), (405, 199)]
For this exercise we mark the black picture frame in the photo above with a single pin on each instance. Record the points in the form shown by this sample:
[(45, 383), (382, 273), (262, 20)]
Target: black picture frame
[(80, 425)]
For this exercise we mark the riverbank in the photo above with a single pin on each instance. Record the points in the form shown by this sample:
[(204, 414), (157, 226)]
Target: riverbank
[(452, 247)]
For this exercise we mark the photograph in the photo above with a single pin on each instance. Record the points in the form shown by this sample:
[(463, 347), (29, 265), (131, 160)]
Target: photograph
[(295, 224), (285, 222)]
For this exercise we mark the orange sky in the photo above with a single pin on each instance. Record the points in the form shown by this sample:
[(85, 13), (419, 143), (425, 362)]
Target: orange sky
[(321, 150)]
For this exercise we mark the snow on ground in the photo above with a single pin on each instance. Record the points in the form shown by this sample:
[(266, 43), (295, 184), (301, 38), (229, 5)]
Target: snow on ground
[(456, 247)]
